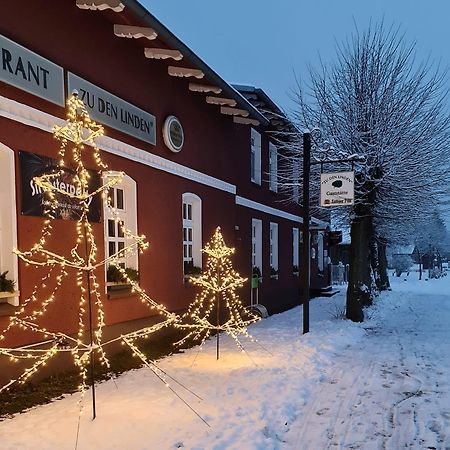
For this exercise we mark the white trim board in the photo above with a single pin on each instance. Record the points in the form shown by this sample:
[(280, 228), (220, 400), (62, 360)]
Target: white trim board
[(8, 223), (38, 119), (267, 209), (242, 201), (157, 162), (319, 224), (35, 118)]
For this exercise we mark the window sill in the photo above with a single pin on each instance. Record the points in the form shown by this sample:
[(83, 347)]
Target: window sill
[(7, 294), (296, 274), (119, 290), (274, 277), (6, 297), (188, 276)]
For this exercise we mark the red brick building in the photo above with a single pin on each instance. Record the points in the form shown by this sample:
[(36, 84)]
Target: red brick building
[(142, 83)]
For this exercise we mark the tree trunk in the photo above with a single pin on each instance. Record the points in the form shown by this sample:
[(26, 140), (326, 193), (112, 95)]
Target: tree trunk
[(375, 261), (384, 277), (360, 282)]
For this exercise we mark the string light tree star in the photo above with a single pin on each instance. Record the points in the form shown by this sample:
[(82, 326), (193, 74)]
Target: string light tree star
[(79, 133), (217, 308)]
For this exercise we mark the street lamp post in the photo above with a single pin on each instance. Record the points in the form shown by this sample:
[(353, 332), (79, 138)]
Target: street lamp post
[(305, 264), (305, 250)]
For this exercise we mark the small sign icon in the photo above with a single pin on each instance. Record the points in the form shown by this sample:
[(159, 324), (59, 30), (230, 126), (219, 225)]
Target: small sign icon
[(337, 189)]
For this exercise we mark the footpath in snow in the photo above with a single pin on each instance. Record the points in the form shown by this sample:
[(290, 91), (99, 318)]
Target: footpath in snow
[(382, 384)]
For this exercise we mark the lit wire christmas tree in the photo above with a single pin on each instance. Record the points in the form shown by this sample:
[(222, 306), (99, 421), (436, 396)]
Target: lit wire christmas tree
[(217, 308), (79, 134)]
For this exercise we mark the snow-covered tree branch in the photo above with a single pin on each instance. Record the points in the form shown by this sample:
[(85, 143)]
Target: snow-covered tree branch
[(377, 101)]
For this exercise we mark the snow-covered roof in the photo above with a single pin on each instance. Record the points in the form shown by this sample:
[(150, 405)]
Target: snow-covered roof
[(402, 249)]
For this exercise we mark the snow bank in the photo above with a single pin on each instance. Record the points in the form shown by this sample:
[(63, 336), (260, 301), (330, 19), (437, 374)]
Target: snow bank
[(287, 391)]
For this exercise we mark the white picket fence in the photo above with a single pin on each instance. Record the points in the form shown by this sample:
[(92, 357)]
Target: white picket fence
[(339, 273)]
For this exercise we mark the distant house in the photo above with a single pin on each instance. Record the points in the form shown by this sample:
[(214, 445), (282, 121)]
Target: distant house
[(431, 259), (403, 251), (340, 253)]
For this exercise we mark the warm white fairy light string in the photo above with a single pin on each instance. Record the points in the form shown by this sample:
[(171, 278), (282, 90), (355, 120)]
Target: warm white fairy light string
[(218, 283), (79, 131)]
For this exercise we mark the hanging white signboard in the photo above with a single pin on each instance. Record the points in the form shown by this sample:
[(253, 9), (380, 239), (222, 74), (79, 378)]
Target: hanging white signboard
[(337, 189)]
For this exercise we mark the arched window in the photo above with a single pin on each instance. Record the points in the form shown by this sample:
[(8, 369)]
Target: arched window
[(8, 221), (192, 231), (121, 214)]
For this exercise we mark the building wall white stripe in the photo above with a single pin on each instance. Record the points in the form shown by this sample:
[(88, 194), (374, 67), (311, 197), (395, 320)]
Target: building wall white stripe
[(267, 209), (27, 115), (38, 119), (157, 162)]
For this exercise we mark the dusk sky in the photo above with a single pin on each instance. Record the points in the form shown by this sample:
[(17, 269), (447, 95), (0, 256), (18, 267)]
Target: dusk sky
[(263, 43)]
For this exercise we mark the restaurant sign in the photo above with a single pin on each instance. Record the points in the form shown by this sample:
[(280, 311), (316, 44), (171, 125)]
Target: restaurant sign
[(337, 189), (30, 72), (112, 111), (35, 200)]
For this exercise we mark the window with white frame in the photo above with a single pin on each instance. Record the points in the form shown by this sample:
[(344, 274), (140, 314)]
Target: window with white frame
[(320, 254), (255, 157), (192, 231), (188, 232), (273, 244), (295, 249), (257, 244), (8, 223), (273, 167), (120, 214), (296, 180)]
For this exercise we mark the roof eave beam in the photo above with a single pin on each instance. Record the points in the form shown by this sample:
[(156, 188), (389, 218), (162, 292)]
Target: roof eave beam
[(234, 111), (220, 101), (162, 53), (131, 32), (246, 121), (100, 5), (184, 72)]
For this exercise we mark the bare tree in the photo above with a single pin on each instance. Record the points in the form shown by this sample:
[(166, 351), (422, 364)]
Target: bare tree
[(375, 100)]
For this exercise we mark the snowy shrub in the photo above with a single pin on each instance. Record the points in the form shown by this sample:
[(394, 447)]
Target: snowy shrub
[(337, 312), (401, 263), (6, 285)]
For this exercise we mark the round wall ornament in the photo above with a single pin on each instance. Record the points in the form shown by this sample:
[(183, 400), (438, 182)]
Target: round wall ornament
[(173, 134)]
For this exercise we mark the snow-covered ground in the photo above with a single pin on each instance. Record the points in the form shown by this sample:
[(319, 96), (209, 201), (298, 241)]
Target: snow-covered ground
[(383, 384)]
